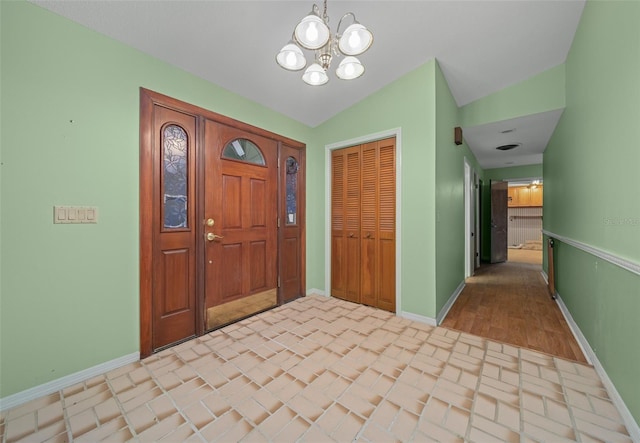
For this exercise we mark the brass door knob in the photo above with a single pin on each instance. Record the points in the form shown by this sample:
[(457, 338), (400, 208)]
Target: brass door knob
[(211, 236)]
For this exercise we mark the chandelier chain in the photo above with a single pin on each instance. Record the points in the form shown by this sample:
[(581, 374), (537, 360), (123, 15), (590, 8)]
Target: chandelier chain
[(325, 16)]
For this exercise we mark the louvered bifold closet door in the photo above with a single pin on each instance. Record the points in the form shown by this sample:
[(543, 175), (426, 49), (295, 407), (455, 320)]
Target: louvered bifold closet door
[(369, 224), (338, 271), (345, 224), (386, 244), (363, 203)]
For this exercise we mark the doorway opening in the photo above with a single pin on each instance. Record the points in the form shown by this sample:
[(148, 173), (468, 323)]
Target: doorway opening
[(524, 220)]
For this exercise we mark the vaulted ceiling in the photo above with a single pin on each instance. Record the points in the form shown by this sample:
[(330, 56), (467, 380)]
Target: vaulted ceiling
[(482, 47)]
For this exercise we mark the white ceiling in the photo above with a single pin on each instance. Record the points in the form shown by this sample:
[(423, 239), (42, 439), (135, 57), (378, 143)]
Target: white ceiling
[(531, 132), (482, 46)]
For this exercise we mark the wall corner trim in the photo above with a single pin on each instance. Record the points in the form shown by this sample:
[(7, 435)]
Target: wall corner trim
[(447, 306), (417, 317), (592, 358), (19, 398)]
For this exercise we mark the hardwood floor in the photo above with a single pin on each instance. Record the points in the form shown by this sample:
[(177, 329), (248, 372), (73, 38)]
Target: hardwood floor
[(509, 302)]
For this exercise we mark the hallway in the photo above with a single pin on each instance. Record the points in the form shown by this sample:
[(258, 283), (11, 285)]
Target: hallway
[(509, 302)]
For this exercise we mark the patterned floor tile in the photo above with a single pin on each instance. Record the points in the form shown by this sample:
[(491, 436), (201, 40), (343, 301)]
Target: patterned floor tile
[(323, 369)]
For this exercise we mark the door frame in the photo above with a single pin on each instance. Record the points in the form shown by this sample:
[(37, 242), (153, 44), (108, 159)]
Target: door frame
[(394, 132), (471, 220), (468, 218), (149, 99)]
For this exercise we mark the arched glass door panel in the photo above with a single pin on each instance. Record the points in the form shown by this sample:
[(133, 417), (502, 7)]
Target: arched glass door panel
[(243, 150)]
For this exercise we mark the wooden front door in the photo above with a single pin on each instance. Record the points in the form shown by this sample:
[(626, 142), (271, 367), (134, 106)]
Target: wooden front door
[(240, 206), (212, 235)]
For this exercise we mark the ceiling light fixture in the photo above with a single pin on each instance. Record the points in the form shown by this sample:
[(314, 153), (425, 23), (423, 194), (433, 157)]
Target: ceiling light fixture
[(313, 33), (508, 147)]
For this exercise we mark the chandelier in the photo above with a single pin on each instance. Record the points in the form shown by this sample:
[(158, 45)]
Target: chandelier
[(313, 33)]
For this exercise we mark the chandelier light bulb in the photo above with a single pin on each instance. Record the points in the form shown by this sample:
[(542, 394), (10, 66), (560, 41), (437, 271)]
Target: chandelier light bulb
[(349, 70), (354, 39), (312, 32)]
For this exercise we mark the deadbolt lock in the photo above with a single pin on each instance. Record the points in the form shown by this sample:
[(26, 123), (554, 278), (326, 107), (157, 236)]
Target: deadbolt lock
[(210, 222)]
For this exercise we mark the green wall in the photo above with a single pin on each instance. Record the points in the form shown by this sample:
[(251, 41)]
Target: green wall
[(541, 93), (591, 190), (408, 103), (70, 136), (450, 201)]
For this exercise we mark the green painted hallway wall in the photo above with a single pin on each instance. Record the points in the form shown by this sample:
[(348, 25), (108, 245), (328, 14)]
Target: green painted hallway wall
[(591, 192)]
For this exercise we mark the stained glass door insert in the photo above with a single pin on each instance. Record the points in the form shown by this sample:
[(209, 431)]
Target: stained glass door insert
[(175, 177)]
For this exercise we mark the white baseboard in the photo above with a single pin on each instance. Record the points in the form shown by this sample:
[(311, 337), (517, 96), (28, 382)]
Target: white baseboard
[(447, 306), (19, 398), (416, 317), (575, 330), (408, 315), (592, 358)]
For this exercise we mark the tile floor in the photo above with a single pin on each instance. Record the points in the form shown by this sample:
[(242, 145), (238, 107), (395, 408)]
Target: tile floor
[(322, 369)]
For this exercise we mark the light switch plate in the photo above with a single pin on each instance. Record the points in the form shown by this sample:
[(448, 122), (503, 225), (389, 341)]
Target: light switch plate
[(75, 214)]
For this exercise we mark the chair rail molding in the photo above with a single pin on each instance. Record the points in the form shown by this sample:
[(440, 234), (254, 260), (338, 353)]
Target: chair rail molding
[(622, 262)]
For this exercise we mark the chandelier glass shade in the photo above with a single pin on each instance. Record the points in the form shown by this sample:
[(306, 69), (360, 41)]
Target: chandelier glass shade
[(349, 68), (313, 33), (291, 57), (315, 75)]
